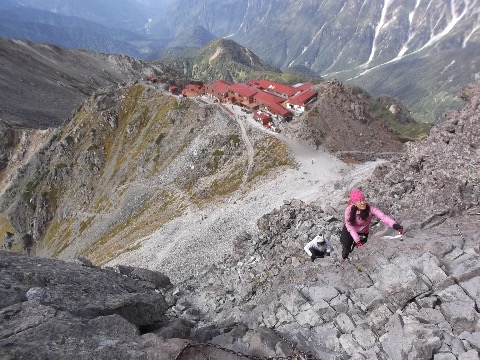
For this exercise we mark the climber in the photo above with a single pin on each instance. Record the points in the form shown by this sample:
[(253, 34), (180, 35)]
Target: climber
[(318, 248), (358, 216)]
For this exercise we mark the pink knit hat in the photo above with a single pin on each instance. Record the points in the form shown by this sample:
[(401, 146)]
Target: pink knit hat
[(356, 195)]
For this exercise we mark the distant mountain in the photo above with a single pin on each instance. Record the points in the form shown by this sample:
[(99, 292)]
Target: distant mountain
[(40, 84), (193, 37), (67, 31), (226, 60), (421, 52), (184, 44), (126, 14), (104, 26)]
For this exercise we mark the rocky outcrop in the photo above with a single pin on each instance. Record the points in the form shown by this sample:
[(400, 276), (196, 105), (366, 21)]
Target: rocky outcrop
[(6, 143), (417, 299), (343, 121), (395, 300), (436, 177), (54, 309)]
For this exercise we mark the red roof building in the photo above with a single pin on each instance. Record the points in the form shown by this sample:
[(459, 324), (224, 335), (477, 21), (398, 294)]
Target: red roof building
[(192, 90), (263, 98), (241, 93), (280, 112), (153, 79), (300, 101), (272, 104), (173, 90), (218, 89), (273, 87), (262, 118)]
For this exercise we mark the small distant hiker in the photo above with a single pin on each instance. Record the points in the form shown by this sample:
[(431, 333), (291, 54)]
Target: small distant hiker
[(318, 248), (358, 216)]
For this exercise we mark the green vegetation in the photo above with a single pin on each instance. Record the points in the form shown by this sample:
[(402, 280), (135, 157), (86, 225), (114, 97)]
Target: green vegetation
[(29, 191), (61, 166), (270, 153), (84, 225), (58, 236), (228, 184), (158, 209), (103, 204), (181, 105), (5, 225), (226, 60), (93, 147), (285, 78), (159, 138), (234, 139), (52, 196), (63, 240), (51, 233), (213, 164)]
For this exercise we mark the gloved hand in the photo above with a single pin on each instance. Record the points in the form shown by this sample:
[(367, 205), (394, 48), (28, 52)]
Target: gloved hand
[(398, 227), (312, 258), (358, 244)]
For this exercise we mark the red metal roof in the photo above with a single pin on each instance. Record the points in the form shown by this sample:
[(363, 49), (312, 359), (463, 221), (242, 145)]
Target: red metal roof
[(273, 86), (219, 85), (243, 89), (267, 98), (193, 87), (262, 116), (302, 98), (279, 110)]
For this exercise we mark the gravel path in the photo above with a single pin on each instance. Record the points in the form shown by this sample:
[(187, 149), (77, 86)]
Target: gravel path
[(203, 236)]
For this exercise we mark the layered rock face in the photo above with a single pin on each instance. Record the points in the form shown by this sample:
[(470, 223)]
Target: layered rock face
[(56, 310), (412, 299)]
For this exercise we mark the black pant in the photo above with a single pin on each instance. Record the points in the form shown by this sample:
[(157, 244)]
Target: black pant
[(348, 244), (317, 253)]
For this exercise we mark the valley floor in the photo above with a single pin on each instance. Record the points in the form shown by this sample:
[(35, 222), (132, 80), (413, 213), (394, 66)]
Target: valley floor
[(202, 236)]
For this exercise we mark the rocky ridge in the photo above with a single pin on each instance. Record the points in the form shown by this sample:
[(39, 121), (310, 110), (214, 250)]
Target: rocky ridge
[(133, 158), (438, 177), (42, 84), (342, 121)]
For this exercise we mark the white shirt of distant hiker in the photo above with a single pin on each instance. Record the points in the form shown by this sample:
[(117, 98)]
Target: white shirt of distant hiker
[(318, 248)]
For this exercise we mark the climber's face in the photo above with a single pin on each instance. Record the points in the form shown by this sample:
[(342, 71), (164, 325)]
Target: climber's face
[(362, 204)]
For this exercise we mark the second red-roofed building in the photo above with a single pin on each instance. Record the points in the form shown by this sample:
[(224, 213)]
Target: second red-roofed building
[(272, 104), (217, 89), (262, 118), (192, 90), (242, 94), (300, 102)]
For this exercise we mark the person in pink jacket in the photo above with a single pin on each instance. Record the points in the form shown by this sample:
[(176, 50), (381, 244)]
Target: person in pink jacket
[(358, 216)]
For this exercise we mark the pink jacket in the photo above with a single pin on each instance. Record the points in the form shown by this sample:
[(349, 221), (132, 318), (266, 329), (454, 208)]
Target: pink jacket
[(363, 226)]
